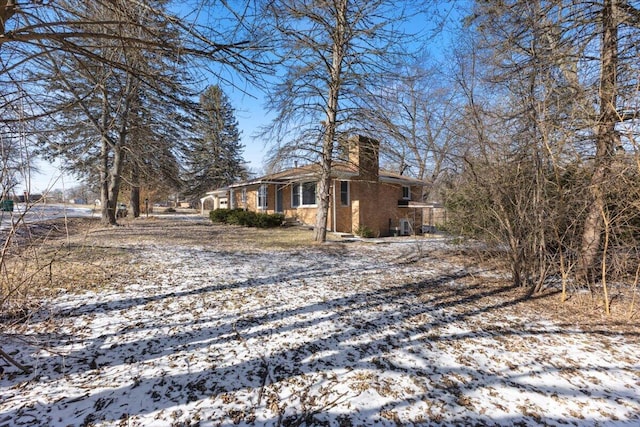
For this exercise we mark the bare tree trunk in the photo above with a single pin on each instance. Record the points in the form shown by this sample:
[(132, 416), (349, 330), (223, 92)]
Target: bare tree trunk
[(603, 264), (324, 183), (114, 183), (135, 190), (324, 186), (108, 207), (605, 142)]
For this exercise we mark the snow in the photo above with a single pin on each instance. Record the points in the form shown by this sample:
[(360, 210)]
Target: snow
[(337, 335), (41, 212)]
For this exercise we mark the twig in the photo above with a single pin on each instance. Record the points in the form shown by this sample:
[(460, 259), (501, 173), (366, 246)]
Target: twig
[(265, 363), (633, 295), (14, 362)]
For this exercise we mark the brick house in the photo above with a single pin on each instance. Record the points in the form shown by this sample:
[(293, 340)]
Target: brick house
[(361, 195)]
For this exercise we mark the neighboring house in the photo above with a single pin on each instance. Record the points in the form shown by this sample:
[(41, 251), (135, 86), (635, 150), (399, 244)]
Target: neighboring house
[(361, 194)]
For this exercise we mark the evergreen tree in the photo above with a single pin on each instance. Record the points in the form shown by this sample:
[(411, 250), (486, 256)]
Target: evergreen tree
[(109, 121), (215, 156)]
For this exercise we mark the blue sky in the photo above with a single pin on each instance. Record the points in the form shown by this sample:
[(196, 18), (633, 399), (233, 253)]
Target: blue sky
[(251, 115), (50, 177)]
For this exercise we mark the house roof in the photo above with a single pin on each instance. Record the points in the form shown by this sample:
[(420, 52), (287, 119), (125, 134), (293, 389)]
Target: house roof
[(388, 176), (339, 170)]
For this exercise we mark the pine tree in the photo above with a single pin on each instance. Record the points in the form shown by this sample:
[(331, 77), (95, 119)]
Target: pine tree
[(215, 157)]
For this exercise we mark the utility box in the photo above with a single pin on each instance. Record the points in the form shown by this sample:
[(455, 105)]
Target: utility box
[(405, 227)]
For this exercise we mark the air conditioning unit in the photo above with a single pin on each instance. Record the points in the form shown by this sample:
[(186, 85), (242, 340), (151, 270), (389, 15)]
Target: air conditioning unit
[(405, 227)]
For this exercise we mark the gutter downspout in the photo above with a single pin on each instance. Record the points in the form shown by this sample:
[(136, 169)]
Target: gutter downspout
[(334, 207)]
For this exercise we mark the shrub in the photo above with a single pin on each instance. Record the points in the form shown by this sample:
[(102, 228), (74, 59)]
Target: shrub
[(269, 220), (246, 218), (364, 231), (219, 215)]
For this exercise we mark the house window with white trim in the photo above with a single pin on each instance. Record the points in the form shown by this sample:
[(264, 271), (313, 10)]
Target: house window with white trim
[(303, 194), (295, 195), (406, 192), (344, 193), (262, 197)]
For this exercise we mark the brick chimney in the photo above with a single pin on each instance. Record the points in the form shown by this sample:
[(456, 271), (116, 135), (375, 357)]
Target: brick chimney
[(364, 154)]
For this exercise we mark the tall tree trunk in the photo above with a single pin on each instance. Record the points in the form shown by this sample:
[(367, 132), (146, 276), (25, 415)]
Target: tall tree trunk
[(110, 186), (135, 190), (108, 208), (324, 183), (324, 187), (605, 142), (114, 183)]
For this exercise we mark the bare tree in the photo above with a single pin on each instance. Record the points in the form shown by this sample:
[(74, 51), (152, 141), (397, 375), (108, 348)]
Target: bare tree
[(30, 28), (559, 92), (111, 40), (509, 126), (414, 118), (605, 135), (332, 54)]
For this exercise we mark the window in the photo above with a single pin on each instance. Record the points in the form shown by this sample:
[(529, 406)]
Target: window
[(308, 193), (344, 193), (295, 195), (262, 197), (406, 192), (303, 194)]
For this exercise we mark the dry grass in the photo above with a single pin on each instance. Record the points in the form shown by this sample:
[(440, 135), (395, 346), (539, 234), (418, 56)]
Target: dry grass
[(165, 230), (52, 256), (81, 254)]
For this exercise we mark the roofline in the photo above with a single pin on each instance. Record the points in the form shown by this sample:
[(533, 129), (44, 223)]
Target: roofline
[(335, 174), (254, 182), (396, 180), (421, 205), (218, 191), (286, 179)]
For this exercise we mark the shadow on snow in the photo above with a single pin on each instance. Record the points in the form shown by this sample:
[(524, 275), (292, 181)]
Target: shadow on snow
[(378, 333)]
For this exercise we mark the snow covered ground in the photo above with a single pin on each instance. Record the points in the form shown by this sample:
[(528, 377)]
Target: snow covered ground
[(42, 212), (354, 334)]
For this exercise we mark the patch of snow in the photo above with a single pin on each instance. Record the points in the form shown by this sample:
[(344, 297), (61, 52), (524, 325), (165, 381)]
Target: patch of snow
[(355, 337), (39, 212)]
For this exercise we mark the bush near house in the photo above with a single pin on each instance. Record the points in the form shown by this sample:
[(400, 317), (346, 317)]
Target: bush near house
[(220, 215), (364, 231), (246, 218)]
